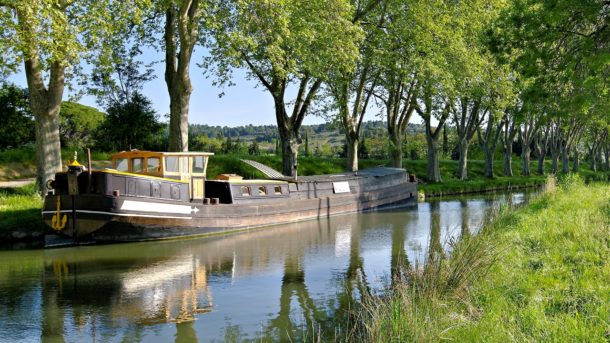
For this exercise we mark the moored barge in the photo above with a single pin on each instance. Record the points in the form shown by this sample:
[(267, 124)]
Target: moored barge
[(152, 195)]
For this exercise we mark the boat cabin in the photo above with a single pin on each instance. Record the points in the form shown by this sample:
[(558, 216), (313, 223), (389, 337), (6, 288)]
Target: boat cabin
[(189, 170), (189, 167)]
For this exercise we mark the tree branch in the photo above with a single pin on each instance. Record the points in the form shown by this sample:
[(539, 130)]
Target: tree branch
[(256, 72)]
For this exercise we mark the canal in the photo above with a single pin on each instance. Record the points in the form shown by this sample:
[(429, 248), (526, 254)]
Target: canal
[(269, 284)]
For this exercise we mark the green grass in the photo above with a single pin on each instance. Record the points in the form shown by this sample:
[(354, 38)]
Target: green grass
[(21, 163), (539, 273), (20, 210)]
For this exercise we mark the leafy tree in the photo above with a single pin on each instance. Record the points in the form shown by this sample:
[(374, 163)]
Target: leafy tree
[(352, 90), (17, 121), (77, 124), (50, 38), (282, 44), (131, 125), (117, 81), (254, 149)]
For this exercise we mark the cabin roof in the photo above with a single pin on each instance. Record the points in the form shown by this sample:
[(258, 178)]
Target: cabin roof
[(146, 153)]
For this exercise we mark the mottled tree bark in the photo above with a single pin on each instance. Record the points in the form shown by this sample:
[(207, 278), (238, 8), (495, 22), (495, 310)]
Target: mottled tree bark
[(541, 143), (45, 103), (181, 34), (488, 141), (508, 136), (467, 119), (400, 105), (576, 163), (433, 172), (352, 116), (527, 132)]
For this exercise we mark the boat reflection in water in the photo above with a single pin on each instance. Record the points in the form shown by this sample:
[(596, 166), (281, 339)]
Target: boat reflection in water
[(269, 284)]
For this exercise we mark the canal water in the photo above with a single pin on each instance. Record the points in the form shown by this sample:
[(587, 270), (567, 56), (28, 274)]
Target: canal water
[(268, 284)]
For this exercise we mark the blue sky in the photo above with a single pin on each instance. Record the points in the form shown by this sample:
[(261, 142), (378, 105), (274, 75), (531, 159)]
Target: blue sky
[(242, 104)]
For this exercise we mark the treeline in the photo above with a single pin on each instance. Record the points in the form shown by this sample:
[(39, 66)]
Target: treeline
[(494, 72)]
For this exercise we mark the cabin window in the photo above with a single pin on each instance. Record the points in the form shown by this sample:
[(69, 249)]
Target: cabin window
[(122, 164), (277, 190), (152, 165), (262, 191), (136, 164), (245, 191), (171, 164), (197, 164)]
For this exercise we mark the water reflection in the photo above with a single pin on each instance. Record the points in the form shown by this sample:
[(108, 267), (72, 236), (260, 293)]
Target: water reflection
[(272, 284)]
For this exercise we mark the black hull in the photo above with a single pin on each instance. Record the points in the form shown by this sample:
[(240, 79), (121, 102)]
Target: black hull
[(111, 218)]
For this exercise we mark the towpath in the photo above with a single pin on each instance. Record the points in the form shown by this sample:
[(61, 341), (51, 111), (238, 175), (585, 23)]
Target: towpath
[(16, 183)]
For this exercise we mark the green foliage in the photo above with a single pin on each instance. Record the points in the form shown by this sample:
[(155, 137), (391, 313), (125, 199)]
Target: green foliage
[(283, 38), (77, 125), (63, 32), (17, 120), (131, 125)]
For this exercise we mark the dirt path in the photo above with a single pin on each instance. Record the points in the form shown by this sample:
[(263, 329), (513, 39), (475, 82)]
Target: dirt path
[(16, 183)]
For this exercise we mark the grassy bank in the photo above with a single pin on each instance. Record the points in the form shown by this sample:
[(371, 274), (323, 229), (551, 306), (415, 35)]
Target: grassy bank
[(21, 163), (539, 273), (20, 217)]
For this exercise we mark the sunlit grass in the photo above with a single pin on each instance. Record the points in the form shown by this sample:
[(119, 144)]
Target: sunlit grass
[(545, 279), (20, 209)]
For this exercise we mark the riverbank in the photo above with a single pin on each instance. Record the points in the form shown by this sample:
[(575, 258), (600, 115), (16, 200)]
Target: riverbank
[(538, 273)]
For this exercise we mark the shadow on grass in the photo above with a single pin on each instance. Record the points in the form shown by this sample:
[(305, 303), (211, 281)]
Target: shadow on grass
[(22, 220)]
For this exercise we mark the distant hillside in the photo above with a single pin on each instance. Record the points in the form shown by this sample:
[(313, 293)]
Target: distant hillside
[(326, 133)]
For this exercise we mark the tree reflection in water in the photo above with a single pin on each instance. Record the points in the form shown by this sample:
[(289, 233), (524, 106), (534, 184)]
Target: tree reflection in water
[(299, 282)]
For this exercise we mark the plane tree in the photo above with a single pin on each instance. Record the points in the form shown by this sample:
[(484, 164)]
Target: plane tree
[(288, 47), (351, 90), (50, 39)]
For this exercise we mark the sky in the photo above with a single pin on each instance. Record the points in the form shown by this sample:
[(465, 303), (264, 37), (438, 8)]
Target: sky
[(242, 104)]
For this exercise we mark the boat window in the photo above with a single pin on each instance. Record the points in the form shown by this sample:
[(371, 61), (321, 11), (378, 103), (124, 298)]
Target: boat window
[(262, 190), (245, 191), (121, 164), (277, 190), (171, 164), (136, 164), (152, 165), (197, 164)]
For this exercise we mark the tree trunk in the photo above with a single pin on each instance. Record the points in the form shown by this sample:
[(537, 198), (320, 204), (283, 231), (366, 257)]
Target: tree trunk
[(593, 157), (45, 104), (352, 153), (565, 160), (462, 171), (181, 22), (576, 165), (554, 163), (290, 141), (395, 137), (525, 156), (541, 164), (48, 149), (290, 152), (489, 162), (433, 166), (607, 157), (508, 160), (179, 117)]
